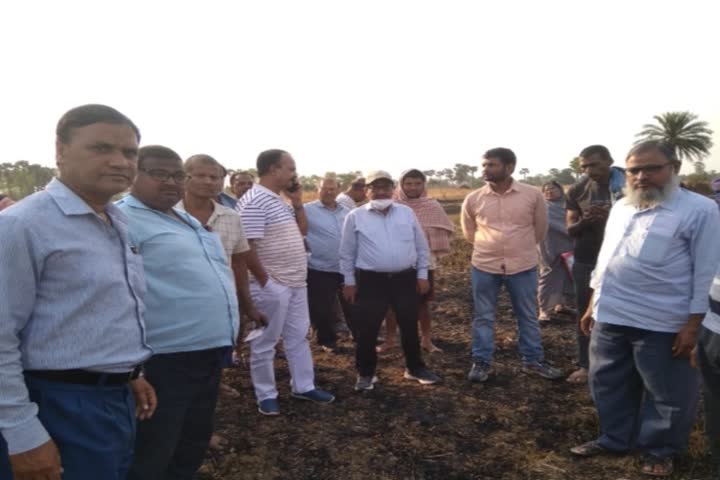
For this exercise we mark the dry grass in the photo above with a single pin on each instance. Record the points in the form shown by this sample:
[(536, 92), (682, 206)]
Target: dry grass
[(514, 427)]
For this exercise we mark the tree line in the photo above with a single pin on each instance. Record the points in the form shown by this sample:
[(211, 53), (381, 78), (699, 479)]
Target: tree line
[(691, 138)]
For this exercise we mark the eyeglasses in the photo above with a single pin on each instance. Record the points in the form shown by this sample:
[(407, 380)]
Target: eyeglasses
[(163, 176), (648, 169)]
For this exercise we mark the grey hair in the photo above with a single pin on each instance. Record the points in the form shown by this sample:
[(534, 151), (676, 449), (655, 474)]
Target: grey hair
[(665, 148)]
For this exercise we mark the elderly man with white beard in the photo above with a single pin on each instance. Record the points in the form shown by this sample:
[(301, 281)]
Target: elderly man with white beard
[(651, 285)]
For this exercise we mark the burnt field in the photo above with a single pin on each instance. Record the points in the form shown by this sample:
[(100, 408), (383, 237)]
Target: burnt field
[(513, 427)]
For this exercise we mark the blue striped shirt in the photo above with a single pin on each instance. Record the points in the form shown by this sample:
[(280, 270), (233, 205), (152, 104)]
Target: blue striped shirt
[(323, 236), (71, 291), (379, 242), (191, 299)]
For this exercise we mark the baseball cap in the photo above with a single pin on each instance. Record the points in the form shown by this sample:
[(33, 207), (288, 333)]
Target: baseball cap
[(374, 175)]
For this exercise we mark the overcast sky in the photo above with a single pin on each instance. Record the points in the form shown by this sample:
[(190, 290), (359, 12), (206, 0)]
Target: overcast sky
[(361, 85)]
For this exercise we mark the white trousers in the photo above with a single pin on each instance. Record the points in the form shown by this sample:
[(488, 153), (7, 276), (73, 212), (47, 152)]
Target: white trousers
[(286, 309)]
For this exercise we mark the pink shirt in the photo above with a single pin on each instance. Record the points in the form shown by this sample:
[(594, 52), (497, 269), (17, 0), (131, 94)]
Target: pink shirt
[(504, 228)]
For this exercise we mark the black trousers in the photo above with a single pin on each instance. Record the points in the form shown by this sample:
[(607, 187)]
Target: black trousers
[(324, 292), (172, 444), (581, 273), (375, 293)]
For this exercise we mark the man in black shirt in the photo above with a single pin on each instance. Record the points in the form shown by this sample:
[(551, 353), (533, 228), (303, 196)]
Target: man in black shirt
[(588, 205)]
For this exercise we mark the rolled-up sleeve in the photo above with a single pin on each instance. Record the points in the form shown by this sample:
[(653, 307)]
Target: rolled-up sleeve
[(705, 257), (348, 250), (19, 272)]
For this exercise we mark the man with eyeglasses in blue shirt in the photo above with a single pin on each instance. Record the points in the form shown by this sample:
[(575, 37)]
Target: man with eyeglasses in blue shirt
[(192, 318), (650, 294)]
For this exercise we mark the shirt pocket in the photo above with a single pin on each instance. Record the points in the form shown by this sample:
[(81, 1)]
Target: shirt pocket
[(405, 232), (214, 247), (659, 239)]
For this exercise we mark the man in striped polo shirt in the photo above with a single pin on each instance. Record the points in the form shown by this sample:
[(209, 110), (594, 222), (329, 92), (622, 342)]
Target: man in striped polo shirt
[(708, 357), (278, 284)]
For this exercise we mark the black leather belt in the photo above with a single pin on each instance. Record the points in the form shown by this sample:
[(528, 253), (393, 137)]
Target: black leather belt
[(85, 377), (386, 274)]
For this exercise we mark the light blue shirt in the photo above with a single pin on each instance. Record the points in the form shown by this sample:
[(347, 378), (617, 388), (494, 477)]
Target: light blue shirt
[(379, 242), (323, 236), (191, 299), (656, 265), (70, 298)]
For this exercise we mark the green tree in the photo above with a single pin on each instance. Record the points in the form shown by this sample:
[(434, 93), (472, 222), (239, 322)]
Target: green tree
[(23, 178), (524, 172), (691, 138), (346, 178), (461, 174), (575, 166), (429, 174)]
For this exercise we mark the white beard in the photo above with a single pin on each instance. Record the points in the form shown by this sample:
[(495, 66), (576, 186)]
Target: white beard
[(652, 197)]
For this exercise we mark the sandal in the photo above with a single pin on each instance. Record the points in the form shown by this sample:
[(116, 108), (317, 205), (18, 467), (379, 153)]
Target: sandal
[(589, 449), (657, 467)]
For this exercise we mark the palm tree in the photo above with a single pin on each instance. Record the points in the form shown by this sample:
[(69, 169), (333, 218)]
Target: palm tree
[(692, 138)]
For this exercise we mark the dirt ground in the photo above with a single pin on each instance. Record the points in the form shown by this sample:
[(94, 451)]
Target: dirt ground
[(513, 427)]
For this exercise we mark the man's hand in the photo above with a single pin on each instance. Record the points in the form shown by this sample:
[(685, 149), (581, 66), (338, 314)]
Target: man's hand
[(295, 197), (257, 317), (349, 292), (145, 399), (423, 286), (598, 214), (685, 342), (40, 463), (587, 322)]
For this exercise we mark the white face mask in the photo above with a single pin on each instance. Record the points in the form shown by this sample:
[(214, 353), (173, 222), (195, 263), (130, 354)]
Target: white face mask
[(381, 204)]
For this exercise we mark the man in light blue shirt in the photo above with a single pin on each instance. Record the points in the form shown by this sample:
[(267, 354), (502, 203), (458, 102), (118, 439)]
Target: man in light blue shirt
[(192, 318), (384, 259), (71, 311), (650, 286), (325, 221)]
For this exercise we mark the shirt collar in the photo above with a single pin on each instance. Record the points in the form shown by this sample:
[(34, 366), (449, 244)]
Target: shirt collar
[(513, 188), (133, 202), (68, 201), (266, 190), (71, 204)]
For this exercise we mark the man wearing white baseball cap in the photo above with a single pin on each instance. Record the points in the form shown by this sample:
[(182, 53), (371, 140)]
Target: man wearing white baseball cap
[(384, 258)]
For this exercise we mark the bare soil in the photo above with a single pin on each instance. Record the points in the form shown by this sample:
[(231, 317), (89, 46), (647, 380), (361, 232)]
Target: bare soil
[(513, 427)]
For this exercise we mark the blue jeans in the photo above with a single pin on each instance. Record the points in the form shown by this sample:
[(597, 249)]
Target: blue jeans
[(523, 295), (643, 395), (92, 426)]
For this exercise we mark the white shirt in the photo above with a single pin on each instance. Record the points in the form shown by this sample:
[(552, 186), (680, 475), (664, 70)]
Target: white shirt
[(656, 265), (344, 199)]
